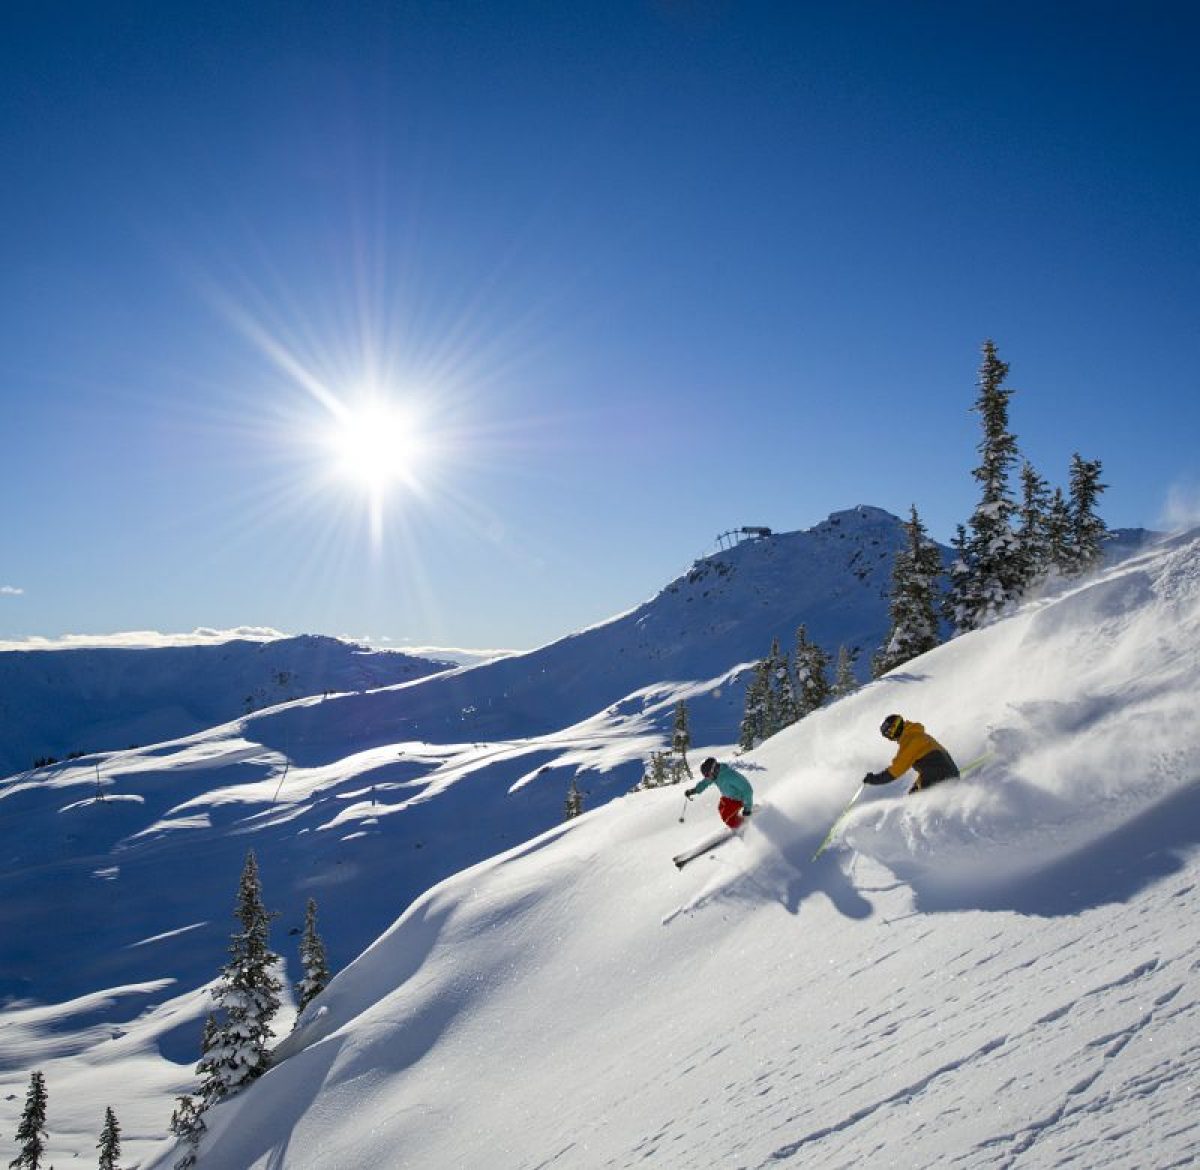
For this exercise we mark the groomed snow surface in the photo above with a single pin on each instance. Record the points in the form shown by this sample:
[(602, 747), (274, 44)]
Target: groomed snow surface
[(1003, 972)]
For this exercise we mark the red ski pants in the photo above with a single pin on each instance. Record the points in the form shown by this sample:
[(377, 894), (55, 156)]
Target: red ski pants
[(730, 811)]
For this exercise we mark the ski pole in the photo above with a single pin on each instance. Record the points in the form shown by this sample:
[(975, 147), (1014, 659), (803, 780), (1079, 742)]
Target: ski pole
[(683, 811), (841, 817)]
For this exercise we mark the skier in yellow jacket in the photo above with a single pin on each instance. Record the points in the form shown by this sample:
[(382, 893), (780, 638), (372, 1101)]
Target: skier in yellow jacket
[(917, 749)]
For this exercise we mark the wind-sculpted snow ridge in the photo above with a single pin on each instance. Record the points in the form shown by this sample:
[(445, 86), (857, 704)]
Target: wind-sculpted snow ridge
[(996, 974)]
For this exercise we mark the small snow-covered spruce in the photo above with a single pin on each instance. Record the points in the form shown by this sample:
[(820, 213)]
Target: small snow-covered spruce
[(959, 601), (109, 1144), (681, 740), (188, 1125), (1088, 531), (781, 702), (992, 557), (1033, 537), (312, 959), (1060, 547), (247, 997), (811, 686), (574, 801), (844, 682), (31, 1132), (914, 599), (754, 719), (658, 771)]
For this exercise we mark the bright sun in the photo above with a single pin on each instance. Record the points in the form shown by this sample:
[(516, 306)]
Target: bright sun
[(377, 446)]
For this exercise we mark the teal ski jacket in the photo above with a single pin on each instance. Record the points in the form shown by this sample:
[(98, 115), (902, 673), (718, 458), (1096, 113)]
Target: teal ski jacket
[(729, 783)]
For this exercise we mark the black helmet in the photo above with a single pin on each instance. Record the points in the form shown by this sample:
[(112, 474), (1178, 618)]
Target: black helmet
[(709, 768), (891, 727)]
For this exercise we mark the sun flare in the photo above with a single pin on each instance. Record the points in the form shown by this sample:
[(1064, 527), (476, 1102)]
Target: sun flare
[(378, 446)]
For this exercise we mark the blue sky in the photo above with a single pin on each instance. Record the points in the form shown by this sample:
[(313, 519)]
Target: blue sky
[(642, 272)]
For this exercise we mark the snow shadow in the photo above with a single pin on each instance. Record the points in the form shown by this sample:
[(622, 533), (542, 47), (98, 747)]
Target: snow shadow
[(285, 1091), (791, 875), (1116, 867)]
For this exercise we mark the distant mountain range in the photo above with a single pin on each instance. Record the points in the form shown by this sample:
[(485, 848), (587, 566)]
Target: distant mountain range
[(60, 702)]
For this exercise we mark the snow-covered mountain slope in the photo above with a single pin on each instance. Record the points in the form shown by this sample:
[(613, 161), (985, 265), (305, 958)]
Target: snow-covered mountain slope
[(54, 703), (363, 801), (412, 783), (1001, 972), (366, 800)]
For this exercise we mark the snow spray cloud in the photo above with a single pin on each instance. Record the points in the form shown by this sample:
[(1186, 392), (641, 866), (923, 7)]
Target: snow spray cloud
[(1182, 508)]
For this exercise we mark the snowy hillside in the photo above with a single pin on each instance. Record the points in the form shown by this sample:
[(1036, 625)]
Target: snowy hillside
[(365, 800), (999, 973), (409, 784), (54, 703)]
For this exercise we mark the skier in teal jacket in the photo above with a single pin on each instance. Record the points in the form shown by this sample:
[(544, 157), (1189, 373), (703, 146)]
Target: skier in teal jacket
[(737, 797)]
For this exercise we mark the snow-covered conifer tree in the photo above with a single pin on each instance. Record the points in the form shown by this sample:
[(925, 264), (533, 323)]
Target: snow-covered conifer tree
[(960, 601), (236, 1048), (312, 959), (681, 740), (188, 1125), (1032, 532), (31, 1131), (992, 553), (781, 697), (812, 687), (914, 599), (574, 800), (1060, 544), (658, 772), (1088, 531), (109, 1144), (754, 720), (844, 682)]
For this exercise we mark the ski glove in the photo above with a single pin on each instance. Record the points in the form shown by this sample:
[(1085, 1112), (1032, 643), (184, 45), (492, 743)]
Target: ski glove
[(689, 793), (884, 777)]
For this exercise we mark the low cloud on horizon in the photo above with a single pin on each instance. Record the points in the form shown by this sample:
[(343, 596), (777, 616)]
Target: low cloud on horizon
[(204, 635), (142, 639)]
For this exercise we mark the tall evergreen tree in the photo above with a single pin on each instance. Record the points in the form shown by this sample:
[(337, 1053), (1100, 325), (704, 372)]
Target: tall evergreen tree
[(844, 682), (31, 1131), (247, 997), (993, 558), (109, 1144), (812, 687), (312, 959), (681, 740), (914, 599), (1088, 531), (1033, 541)]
